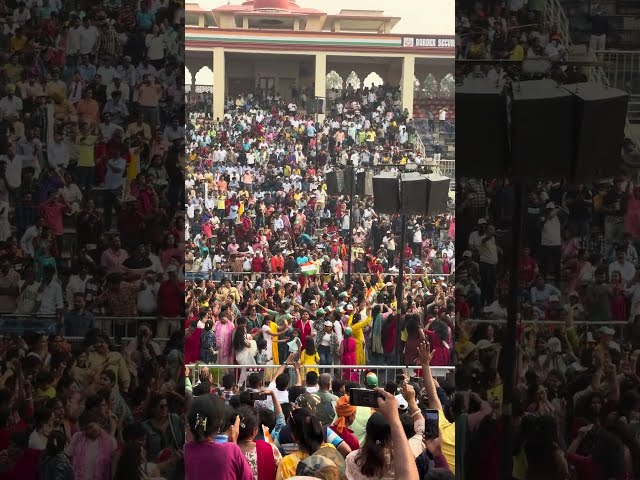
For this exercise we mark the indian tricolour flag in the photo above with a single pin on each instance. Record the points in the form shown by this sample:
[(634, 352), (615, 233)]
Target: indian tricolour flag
[(308, 268), (371, 294)]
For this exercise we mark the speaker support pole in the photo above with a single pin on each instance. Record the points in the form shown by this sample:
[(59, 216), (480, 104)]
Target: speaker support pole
[(350, 244), (400, 287), (509, 352)]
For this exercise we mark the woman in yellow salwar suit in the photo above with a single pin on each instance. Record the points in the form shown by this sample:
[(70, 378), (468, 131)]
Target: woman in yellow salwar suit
[(358, 322), (274, 332)]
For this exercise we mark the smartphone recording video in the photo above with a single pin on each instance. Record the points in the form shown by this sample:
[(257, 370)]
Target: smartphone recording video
[(253, 396), (432, 429), (362, 397)]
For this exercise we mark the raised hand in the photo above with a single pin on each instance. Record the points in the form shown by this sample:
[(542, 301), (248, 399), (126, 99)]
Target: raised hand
[(425, 354)]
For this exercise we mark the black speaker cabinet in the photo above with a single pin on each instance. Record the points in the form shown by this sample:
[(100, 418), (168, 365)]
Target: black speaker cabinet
[(386, 193), (348, 178), (599, 115), (542, 130), (413, 193), (315, 105), (437, 195), (364, 184), (335, 182), (481, 129)]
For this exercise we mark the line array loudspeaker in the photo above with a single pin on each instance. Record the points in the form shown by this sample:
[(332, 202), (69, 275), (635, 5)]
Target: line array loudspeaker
[(386, 193)]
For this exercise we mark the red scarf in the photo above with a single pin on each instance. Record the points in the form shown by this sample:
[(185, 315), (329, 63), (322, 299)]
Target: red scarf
[(266, 463)]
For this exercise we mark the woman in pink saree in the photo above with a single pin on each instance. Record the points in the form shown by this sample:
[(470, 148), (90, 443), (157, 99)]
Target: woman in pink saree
[(224, 336), (632, 217), (91, 450), (348, 353)]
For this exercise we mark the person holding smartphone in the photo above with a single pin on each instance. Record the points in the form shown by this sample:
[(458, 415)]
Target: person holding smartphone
[(447, 430), (384, 432)]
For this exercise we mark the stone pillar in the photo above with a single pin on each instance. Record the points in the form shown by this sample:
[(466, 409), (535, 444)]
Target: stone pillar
[(321, 79), (219, 96), (408, 68)]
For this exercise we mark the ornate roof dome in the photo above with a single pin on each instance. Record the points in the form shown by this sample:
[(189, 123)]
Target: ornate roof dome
[(273, 5)]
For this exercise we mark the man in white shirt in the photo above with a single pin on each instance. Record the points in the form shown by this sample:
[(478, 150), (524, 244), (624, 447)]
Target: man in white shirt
[(488, 251), (148, 294), (28, 238), (625, 268), (58, 152), (50, 294), (10, 104), (107, 71), (77, 283), (442, 117), (87, 36), (108, 128), (476, 235), (551, 240)]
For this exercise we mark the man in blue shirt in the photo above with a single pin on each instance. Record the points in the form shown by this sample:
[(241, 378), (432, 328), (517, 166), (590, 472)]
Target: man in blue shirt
[(78, 320)]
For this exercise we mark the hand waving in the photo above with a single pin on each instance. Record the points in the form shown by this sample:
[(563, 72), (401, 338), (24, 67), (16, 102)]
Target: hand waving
[(424, 354)]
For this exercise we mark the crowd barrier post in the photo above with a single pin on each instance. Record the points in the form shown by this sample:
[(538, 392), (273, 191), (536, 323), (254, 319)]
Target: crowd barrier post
[(385, 373), (123, 328)]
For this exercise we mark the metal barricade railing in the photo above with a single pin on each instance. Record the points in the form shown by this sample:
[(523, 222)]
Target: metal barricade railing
[(123, 328), (554, 15), (446, 168), (239, 276), (622, 72), (622, 68), (385, 373), (617, 325)]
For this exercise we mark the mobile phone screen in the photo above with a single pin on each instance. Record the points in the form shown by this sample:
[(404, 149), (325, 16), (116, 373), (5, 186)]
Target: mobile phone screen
[(362, 397), (432, 429)]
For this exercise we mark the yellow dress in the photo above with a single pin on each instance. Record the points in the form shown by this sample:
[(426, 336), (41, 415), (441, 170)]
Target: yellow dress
[(288, 465), (357, 332), (276, 357), (133, 168), (309, 360)]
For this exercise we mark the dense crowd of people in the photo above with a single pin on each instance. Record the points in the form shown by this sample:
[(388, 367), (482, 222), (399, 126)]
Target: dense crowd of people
[(268, 247), (489, 30), (321, 429), (579, 293), (91, 228), (575, 398)]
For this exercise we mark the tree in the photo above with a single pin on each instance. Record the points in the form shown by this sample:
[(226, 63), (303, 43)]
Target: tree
[(334, 81), (448, 86), (353, 80)]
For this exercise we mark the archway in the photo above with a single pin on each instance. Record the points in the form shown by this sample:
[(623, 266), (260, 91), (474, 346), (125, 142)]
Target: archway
[(353, 80), (373, 80), (334, 81), (204, 76)]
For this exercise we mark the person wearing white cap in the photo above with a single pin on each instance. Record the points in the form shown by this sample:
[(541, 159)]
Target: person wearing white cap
[(327, 344), (471, 267), (554, 359), (475, 239), (488, 252), (551, 240), (417, 239)]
